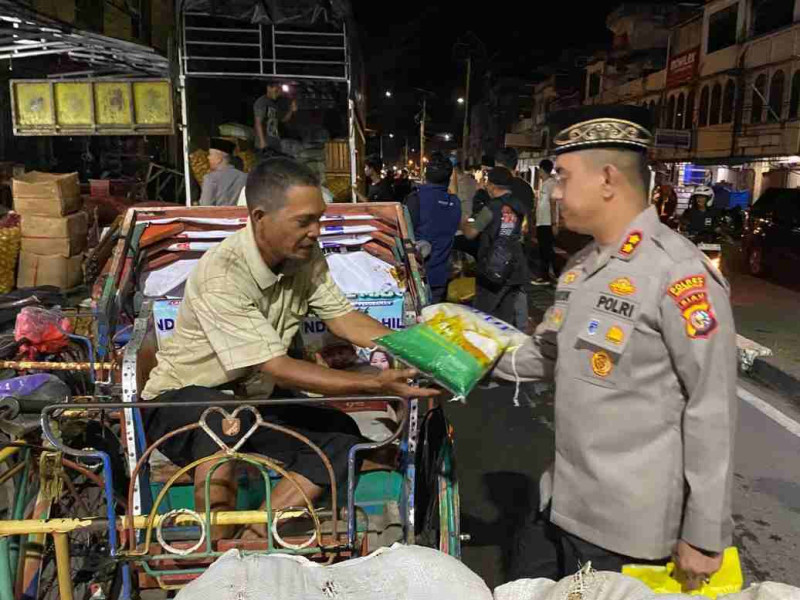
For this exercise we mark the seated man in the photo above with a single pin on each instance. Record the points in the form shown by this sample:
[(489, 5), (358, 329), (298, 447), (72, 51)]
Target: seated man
[(242, 306)]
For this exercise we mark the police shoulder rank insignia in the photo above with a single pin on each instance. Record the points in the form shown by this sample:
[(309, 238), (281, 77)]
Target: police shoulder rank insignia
[(615, 335), (602, 364), (696, 310), (683, 286), (622, 286), (630, 244), (570, 277)]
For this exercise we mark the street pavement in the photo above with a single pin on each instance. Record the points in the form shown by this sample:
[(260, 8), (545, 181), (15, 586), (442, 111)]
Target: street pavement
[(501, 450)]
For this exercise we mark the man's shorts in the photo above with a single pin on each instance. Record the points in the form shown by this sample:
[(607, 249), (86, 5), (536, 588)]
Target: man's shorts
[(330, 429)]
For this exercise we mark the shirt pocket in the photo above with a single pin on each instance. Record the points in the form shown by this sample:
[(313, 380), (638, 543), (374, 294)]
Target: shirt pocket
[(600, 347)]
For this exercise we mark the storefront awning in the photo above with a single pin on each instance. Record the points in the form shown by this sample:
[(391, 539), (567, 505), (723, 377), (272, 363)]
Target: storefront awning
[(24, 33)]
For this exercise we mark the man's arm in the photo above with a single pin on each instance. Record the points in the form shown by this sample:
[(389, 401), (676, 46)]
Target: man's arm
[(357, 328), (301, 375), (412, 203), (292, 110), (208, 195), (534, 358), (698, 330), (553, 210), (473, 229), (361, 197), (260, 135)]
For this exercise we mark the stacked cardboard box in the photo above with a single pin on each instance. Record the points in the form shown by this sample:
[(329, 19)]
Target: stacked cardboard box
[(54, 229)]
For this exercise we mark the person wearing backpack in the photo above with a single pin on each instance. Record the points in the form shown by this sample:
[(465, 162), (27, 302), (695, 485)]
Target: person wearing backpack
[(502, 270), (435, 215)]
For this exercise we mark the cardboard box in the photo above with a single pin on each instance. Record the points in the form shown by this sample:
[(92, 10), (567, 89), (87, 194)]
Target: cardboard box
[(64, 236), (39, 269), (47, 194)]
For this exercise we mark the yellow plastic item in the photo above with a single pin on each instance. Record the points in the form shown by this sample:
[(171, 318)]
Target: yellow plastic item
[(728, 580), (461, 290)]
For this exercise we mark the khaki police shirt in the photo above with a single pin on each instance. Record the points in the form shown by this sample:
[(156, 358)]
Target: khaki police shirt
[(642, 347), (237, 314)]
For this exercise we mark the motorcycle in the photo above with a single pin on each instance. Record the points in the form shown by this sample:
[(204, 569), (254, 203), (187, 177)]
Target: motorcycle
[(710, 244)]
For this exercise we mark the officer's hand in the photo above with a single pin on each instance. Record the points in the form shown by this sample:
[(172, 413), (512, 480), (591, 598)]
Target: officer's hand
[(693, 567), (394, 382)]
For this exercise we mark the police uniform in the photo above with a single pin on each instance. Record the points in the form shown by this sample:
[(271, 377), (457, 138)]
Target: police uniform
[(641, 344)]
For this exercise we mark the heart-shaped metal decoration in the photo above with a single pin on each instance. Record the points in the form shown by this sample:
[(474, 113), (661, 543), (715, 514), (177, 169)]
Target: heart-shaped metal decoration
[(231, 425)]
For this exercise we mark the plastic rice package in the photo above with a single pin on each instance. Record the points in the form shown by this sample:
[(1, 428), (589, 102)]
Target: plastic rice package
[(454, 345)]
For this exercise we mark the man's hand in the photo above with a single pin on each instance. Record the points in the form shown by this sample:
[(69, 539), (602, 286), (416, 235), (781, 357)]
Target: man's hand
[(394, 382), (693, 567)]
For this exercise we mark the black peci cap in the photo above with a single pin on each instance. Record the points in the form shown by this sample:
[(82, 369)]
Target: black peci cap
[(222, 145), (620, 126)]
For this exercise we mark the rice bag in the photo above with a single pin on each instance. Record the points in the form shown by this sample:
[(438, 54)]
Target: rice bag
[(454, 345)]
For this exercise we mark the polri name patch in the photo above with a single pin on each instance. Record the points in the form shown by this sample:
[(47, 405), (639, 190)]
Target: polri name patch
[(617, 306)]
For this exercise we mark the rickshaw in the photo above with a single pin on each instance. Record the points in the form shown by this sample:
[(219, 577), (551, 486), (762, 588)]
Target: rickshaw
[(152, 535)]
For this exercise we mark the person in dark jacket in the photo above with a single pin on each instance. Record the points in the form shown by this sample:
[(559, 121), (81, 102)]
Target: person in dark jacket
[(499, 224), (379, 189), (435, 215)]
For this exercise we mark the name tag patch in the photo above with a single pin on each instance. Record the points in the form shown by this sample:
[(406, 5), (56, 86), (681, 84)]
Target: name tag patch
[(562, 296), (616, 306)]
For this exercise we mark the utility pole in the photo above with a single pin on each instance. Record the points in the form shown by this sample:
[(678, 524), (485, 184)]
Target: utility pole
[(381, 138), (465, 131), (405, 165), (422, 139)]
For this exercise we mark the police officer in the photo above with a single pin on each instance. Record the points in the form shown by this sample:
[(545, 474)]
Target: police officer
[(641, 344)]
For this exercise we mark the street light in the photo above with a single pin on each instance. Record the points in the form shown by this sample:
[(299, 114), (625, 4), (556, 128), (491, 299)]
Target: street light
[(461, 100), (388, 93), (391, 135), (285, 88)]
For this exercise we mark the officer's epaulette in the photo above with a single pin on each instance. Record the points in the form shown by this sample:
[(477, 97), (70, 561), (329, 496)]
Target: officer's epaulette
[(677, 247), (680, 249)]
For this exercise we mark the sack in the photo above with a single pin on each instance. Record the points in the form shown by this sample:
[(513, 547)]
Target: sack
[(501, 260), (399, 572), (455, 345)]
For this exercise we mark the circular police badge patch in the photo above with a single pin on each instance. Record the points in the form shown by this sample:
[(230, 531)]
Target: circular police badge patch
[(602, 364)]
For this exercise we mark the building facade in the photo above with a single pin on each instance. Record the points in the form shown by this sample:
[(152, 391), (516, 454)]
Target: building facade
[(725, 99)]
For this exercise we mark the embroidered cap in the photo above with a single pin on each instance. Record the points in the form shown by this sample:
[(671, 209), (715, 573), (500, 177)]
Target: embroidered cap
[(604, 126)]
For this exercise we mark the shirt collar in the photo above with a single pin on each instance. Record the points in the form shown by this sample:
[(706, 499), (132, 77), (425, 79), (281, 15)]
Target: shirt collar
[(259, 269), (264, 276)]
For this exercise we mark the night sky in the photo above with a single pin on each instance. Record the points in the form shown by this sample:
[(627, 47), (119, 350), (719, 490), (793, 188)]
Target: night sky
[(410, 44)]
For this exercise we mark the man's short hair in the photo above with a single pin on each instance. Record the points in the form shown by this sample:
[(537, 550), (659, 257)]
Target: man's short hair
[(487, 160), (374, 162), (546, 165), (439, 169), (507, 157), (632, 164), (268, 183)]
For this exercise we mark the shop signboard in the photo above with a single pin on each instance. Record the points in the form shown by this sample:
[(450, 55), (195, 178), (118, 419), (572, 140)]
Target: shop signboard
[(682, 67)]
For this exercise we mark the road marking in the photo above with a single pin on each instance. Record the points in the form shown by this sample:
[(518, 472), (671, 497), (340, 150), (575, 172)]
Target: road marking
[(773, 413)]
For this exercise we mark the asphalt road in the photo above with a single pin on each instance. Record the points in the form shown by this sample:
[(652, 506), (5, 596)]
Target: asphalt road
[(502, 449)]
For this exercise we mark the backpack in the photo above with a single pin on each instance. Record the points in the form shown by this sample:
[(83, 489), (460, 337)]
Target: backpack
[(501, 260)]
